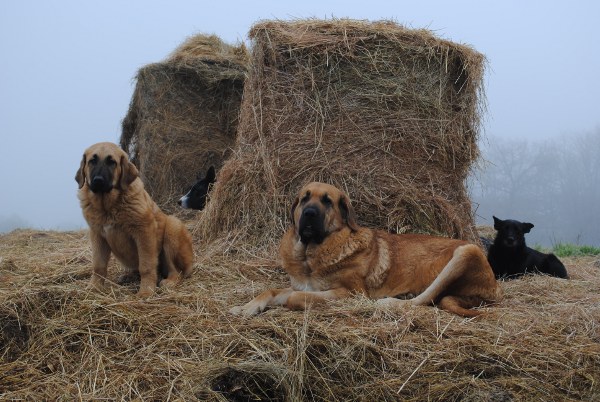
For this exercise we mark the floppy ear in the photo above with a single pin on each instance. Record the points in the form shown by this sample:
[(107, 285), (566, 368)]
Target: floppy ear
[(210, 175), (497, 223), (348, 214), (128, 173), (80, 175), (527, 227), (293, 210)]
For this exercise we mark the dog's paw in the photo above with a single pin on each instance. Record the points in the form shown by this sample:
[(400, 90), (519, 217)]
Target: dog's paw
[(168, 283), (144, 293), (237, 310), (96, 284), (247, 310)]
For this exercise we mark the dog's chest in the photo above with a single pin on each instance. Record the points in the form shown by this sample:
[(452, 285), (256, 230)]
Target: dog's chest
[(112, 231), (108, 230), (120, 242), (307, 283)]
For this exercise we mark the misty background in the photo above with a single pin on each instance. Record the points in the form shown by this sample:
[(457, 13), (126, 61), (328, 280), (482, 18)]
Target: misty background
[(67, 76)]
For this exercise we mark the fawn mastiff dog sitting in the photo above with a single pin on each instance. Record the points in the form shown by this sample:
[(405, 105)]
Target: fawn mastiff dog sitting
[(329, 256), (124, 220)]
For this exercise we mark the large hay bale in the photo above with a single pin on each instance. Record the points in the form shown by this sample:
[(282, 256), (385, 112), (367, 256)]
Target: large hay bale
[(389, 114), (183, 115)]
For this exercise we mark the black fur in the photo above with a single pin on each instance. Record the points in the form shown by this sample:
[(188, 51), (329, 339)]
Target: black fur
[(311, 226), (196, 197), (101, 174), (510, 257)]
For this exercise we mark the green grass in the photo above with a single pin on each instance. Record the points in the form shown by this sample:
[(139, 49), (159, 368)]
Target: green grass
[(573, 250)]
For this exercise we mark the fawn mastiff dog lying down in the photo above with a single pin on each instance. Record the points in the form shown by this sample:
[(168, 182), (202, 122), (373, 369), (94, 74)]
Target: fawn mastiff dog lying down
[(124, 220), (329, 256)]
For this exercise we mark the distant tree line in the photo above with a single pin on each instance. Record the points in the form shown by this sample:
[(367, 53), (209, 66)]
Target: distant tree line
[(554, 184)]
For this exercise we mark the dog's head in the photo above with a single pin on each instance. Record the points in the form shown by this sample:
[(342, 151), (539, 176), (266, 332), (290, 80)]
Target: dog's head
[(196, 197), (321, 209), (105, 167), (511, 233)]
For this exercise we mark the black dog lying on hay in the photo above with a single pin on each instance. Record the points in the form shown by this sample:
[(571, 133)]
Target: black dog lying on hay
[(510, 257), (196, 197)]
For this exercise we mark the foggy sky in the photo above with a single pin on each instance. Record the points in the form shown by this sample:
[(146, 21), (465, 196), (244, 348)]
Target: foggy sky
[(67, 70)]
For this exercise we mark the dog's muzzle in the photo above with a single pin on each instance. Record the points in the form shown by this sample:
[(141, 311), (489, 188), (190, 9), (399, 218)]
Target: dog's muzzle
[(510, 241), (310, 226), (99, 184)]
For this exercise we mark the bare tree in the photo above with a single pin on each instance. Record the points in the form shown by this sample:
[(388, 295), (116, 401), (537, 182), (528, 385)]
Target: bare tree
[(554, 184)]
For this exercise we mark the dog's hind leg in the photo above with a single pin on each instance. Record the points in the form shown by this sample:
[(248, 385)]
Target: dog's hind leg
[(454, 270), (168, 269), (552, 266), (178, 249), (458, 284), (456, 305), (185, 259)]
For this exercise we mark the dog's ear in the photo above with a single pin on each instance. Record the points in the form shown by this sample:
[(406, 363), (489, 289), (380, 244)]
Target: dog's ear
[(80, 175), (210, 175), (526, 226), (497, 223), (293, 210), (128, 173), (348, 214)]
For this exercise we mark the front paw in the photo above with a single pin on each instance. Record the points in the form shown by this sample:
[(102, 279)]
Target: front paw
[(247, 310), (168, 283), (144, 292), (96, 284)]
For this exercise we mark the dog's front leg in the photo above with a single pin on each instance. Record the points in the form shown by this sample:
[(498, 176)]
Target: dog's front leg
[(272, 297), (294, 300), (299, 300), (100, 257), (148, 264)]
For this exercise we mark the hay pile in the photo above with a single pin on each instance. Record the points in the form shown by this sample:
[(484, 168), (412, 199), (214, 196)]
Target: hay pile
[(60, 342), (183, 115), (389, 114)]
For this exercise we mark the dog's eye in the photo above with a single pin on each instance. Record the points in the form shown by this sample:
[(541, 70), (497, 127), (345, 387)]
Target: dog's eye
[(93, 160), (110, 161), (326, 201), (305, 198)]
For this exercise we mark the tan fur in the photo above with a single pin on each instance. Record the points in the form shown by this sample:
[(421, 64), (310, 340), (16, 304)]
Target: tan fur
[(126, 222), (449, 273)]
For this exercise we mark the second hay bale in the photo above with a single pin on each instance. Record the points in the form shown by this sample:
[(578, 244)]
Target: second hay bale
[(183, 115)]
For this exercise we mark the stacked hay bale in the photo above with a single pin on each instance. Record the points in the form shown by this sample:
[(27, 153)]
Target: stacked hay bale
[(183, 115), (389, 114)]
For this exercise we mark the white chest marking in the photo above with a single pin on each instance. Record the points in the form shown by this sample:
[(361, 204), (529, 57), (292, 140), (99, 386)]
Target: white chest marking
[(304, 284)]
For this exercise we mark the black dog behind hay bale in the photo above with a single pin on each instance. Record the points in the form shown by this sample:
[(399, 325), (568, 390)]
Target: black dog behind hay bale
[(389, 114), (183, 115)]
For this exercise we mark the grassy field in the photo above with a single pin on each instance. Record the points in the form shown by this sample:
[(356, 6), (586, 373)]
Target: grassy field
[(573, 250), (60, 341)]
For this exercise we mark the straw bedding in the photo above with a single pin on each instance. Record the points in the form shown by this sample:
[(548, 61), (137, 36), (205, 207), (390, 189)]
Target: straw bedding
[(389, 114), (183, 115), (60, 341)]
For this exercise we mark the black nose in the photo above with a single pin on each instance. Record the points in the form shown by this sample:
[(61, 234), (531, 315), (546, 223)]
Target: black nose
[(310, 212), (97, 181)]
